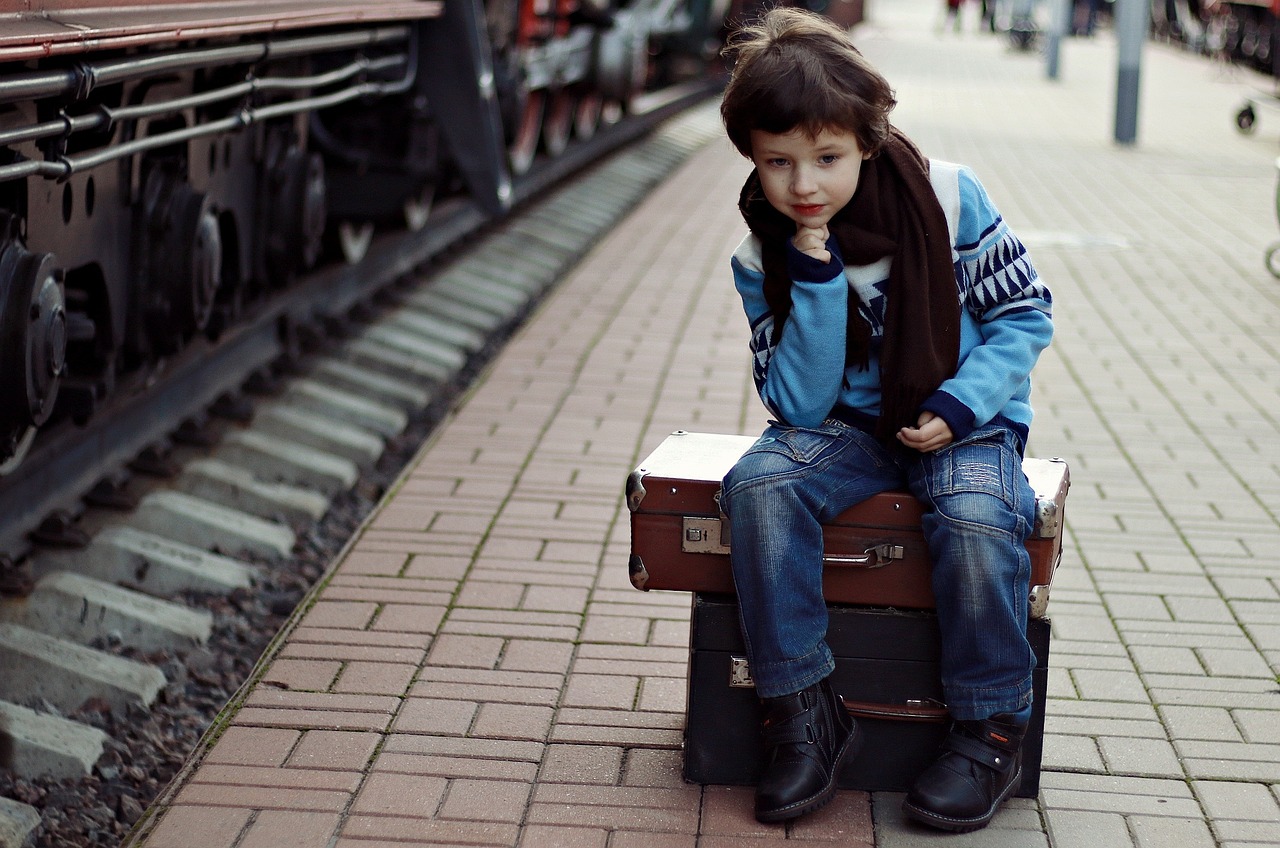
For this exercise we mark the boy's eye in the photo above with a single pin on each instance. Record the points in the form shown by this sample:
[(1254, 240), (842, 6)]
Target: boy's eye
[(828, 159), (778, 162)]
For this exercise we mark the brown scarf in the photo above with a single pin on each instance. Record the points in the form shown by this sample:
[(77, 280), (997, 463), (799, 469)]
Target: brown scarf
[(896, 213)]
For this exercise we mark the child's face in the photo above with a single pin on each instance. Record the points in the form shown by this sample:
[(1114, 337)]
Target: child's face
[(807, 179)]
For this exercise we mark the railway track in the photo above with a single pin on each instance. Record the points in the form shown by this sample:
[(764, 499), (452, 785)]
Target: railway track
[(141, 537)]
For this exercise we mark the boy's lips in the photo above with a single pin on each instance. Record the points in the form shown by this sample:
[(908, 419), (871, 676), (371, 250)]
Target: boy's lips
[(807, 208)]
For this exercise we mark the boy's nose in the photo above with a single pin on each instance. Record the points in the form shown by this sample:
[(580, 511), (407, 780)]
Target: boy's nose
[(803, 182)]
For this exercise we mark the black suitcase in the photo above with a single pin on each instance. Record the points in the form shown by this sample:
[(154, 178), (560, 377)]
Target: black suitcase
[(887, 672)]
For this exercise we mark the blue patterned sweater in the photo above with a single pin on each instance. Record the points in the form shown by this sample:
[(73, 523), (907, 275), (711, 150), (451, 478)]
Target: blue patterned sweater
[(1006, 321)]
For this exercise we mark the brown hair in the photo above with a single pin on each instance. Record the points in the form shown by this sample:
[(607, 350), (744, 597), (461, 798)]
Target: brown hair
[(795, 69)]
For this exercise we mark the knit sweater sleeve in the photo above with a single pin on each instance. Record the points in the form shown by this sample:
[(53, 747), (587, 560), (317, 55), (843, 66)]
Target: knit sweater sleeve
[(799, 377), (1011, 307)]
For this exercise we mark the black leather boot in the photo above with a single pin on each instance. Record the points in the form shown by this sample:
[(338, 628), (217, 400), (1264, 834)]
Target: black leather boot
[(980, 766), (807, 737)]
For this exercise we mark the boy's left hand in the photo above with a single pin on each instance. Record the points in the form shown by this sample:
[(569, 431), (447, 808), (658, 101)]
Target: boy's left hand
[(929, 434)]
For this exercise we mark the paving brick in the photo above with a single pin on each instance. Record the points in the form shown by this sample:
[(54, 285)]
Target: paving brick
[(1228, 761), (499, 749), (627, 808), (282, 778), (1140, 757), (1087, 829), (358, 561), (1151, 658), (435, 716), (491, 595), (486, 800), (1235, 663), (617, 629), (1201, 723), (312, 719), (334, 749), (507, 624), (581, 764), (313, 675), (407, 618), (366, 650), (437, 566), (263, 797), (253, 746), (1017, 825), (1128, 795), (1237, 801), (1071, 753), (600, 690), (1110, 685), (353, 615), (277, 829), (305, 638), (513, 721), (558, 599), (416, 831), (546, 836), (653, 767), (534, 655), (456, 766), (375, 678), (417, 796), (1260, 726), (453, 649), (199, 827), (729, 811), (1151, 832)]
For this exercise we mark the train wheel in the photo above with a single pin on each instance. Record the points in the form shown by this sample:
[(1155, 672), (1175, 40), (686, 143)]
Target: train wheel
[(354, 238), (184, 243), (524, 145), (298, 209), (33, 344), (586, 119), (417, 207), (196, 257), (558, 122)]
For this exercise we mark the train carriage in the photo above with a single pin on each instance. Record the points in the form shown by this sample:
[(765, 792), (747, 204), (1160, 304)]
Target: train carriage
[(165, 166)]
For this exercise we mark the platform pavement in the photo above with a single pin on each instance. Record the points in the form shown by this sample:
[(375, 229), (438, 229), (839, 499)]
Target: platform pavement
[(477, 669)]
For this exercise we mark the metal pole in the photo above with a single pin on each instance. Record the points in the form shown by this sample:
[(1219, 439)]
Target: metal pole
[(1061, 14), (1131, 32)]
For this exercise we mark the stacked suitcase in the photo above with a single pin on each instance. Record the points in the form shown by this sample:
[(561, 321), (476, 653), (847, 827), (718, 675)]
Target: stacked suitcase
[(882, 629)]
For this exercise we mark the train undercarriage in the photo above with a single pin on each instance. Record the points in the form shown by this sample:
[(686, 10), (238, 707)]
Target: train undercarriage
[(154, 190)]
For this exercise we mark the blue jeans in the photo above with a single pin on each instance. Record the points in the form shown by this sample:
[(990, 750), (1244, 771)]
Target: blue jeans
[(979, 510)]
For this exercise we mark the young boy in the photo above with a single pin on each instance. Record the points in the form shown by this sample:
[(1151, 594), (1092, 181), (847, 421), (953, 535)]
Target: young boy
[(895, 321)]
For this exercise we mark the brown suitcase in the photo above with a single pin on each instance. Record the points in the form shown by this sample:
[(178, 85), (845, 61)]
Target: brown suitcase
[(875, 553)]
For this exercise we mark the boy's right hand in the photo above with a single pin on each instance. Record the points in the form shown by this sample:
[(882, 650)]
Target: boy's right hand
[(812, 241)]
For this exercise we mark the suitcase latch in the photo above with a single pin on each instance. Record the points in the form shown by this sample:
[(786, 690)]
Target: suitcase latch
[(700, 535), (740, 673)]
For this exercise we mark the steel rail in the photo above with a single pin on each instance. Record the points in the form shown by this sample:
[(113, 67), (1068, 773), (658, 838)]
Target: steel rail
[(66, 461)]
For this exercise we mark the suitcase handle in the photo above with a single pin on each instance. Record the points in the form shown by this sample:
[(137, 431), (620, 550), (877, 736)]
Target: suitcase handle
[(700, 534), (874, 557), (924, 711)]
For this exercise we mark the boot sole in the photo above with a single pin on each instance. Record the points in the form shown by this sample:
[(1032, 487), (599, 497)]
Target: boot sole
[(819, 799), (962, 825)]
